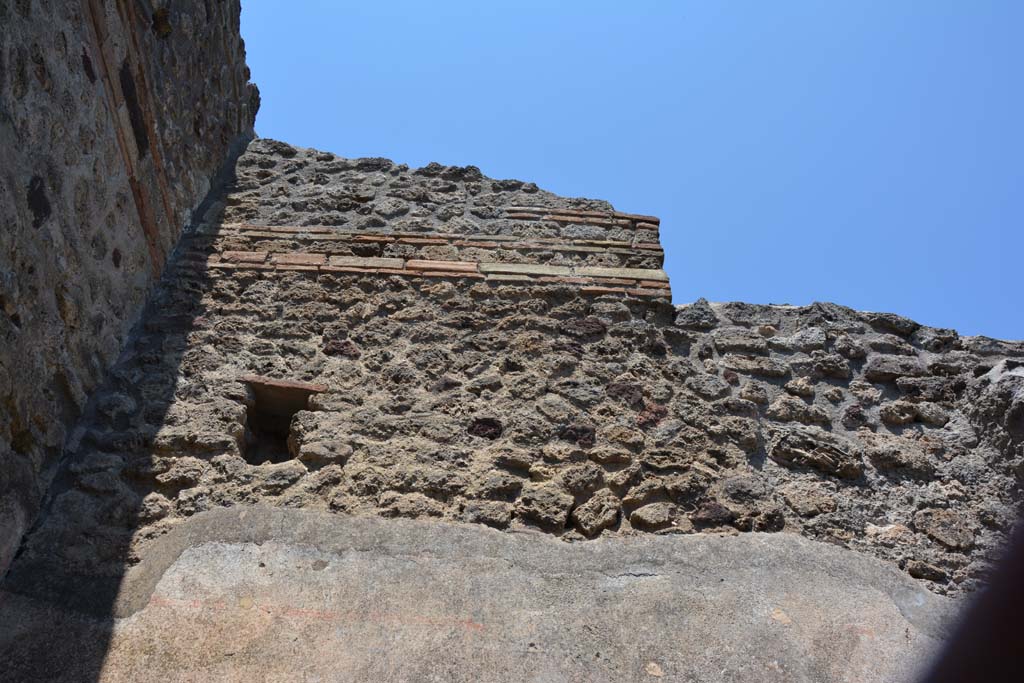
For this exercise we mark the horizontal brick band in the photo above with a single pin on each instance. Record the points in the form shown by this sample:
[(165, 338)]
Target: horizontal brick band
[(583, 256), (252, 259), (556, 214), (632, 281), (480, 241)]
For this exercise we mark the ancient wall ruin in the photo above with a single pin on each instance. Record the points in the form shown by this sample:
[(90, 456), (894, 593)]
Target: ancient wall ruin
[(360, 337), (114, 117), (226, 366)]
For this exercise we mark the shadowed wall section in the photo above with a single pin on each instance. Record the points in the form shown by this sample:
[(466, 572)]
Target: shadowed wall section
[(114, 117)]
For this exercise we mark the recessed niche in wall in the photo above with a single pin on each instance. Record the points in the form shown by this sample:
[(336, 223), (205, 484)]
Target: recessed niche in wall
[(269, 414)]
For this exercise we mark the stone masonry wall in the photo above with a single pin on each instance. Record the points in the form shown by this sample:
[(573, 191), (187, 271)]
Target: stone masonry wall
[(114, 117), (482, 351)]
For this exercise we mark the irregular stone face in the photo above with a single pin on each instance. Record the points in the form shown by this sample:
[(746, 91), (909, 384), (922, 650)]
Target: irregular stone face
[(473, 374), (654, 516), (808, 499), (945, 526), (791, 409), (598, 513), (817, 449), (763, 367), (708, 386), (889, 368), (546, 505)]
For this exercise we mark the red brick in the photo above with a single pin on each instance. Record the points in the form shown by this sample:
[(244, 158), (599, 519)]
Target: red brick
[(450, 274), (647, 226), (488, 238), (267, 235), (301, 228), (292, 229), (614, 281), (584, 220), (654, 284), (346, 269), (623, 273), (241, 266), (601, 244), (603, 290), (421, 240), (461, 266), (638, 217), (481, 244), (346, 261), (508, 278), (579, 212), (526, 269), (568, 280), (374, 271), (284, 384), (523, 216), (294, 259), (244, 256), (528, 209), (289, 266)]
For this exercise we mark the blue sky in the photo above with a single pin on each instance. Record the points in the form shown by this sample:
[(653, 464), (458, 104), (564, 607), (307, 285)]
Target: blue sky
[(868, 153)]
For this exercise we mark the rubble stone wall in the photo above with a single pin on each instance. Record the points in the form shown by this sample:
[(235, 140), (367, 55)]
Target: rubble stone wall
[(482, 351), (114, 117)]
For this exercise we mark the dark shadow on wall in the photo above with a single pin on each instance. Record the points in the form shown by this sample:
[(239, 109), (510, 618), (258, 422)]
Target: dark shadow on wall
[(61, 596)]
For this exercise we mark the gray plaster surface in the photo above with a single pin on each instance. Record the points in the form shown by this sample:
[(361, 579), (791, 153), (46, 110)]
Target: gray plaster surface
[(263, 594)]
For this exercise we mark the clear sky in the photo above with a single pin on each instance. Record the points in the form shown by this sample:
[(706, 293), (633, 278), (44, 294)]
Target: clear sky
[(869, 153)]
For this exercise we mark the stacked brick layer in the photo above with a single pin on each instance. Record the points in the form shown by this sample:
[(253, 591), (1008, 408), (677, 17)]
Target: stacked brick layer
[(318, 249), (548, 401)]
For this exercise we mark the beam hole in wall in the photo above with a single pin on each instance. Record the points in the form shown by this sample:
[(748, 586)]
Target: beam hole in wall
[(162, 22), (270, 409)]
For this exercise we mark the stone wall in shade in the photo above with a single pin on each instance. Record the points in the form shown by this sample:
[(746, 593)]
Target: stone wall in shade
[(356, 336), (115, 116)]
